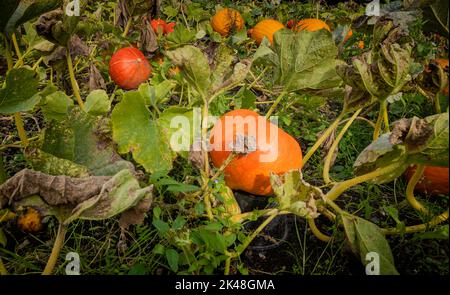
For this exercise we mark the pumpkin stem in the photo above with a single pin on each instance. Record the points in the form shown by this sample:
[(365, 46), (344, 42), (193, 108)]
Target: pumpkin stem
[(57, 246), (385, 116), (21, 130), (316, 231), (73, 81), (322, 138), (17, 49), (410, 190), (377, 130), (340, 187), (250, 238), (419, 227), (274, 105), (327, 164)]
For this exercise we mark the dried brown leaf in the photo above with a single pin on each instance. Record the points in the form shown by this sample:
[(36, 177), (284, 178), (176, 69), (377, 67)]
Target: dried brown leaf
[(55, 190)]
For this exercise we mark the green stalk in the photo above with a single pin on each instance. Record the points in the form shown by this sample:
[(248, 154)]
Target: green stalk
[(250, 238), (322, 138), (21, 130), (376, 131), (127, 27), (73, 81), (17, 49), (8, 55), (327, 164), (341, 187), (385, 116), (274, 105), (57, 246), (227, 266), (418, 228), (437, 104)]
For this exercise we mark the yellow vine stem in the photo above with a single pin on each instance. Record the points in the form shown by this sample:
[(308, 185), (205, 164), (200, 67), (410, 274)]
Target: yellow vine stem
[(341, 187), (21, 129), (274, 105), (410, 190), (73, 81), (8, 56), (316, 231), (377, 130), (17, 49), (322, 138), (419, 227), (227, 265), (385, 116), (57, 246), (127, 27), (250, 238), (329, 157)]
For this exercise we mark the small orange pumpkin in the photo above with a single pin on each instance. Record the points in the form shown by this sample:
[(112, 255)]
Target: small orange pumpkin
[(265, 28), (443, 63), (227, 20), (348, 36), (250, 172), (361, 44), (311, 24), (30, 220), (129, 68), (434, 180)]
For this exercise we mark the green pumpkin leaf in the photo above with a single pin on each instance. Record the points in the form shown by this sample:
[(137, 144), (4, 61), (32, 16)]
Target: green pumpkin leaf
[(20, 93), (56, 106), (78, 141), (365, 237), (172, 258), (304, 60), (134, 131), (97, 103), (195, 67)]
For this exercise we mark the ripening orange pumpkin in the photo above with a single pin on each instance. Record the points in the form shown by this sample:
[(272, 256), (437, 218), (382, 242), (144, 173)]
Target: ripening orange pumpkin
[(443, 63), (265, 28), (30, 220), (227, 20), (434, 180), (311, 24), (129, 68), (250, 171), (348, 36)]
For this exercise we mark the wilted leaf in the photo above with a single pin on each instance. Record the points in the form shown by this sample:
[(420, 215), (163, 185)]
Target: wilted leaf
[(96, 80), (135, 215), (294, 194), (13, 13), (57, 27), (50, 164), (412, 141), (365, 237), (92, 198), (20, 93), (148, 39)]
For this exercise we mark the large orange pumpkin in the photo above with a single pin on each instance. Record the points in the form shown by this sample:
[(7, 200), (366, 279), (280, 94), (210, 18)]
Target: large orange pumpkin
[(250, 172), (265, 28), (227, 20), (434, 180), (129, 68), (311, 24)]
